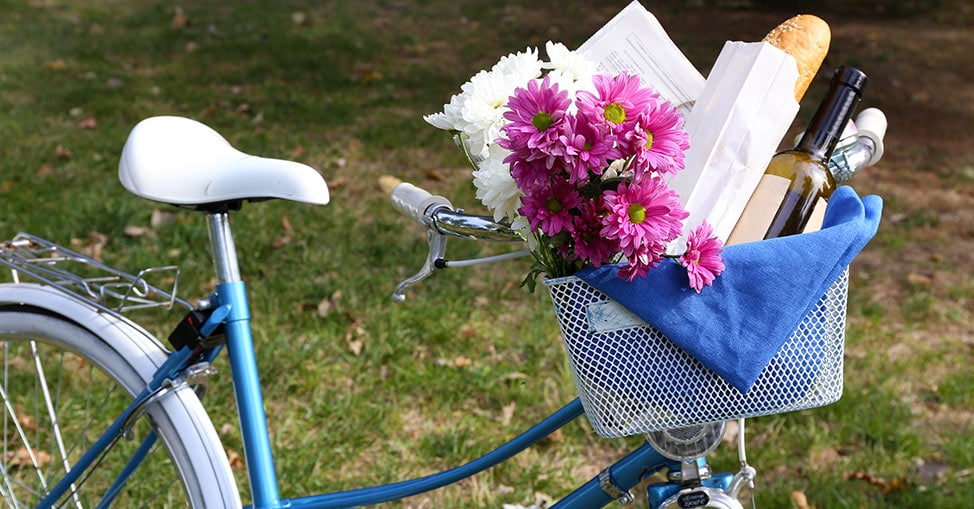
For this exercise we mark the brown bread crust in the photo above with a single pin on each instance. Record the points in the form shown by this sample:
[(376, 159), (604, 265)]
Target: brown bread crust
[(805, 37)]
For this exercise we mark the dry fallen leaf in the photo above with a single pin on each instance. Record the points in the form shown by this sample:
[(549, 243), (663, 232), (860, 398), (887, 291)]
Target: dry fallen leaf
[(281, 242), (800, 500), (355, 346), (507, 413), (387, 183), (61, 152), (88, 123), (136, 231), (22, 458), (160, 218), (235, 459), (886, 486), (179, 18)]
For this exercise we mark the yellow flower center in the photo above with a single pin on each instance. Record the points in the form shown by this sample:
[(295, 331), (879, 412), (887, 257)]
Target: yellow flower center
[(541, 121), (637, 213), (649, 140), (553, 205), (614, 113)]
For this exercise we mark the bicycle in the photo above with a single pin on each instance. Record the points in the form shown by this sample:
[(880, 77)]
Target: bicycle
[(144, 434)]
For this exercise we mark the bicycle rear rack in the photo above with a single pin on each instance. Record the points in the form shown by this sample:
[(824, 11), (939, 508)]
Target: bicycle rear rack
[(87, 279)]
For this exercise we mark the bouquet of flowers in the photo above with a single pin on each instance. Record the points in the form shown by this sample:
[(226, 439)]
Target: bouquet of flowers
[(578, 162)]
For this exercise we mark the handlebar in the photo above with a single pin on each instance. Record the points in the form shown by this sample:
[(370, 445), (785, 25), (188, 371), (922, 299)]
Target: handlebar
[(442, 220), (436, 212)]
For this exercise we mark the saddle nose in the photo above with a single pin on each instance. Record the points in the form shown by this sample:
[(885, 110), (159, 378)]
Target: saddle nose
[(183, 162)]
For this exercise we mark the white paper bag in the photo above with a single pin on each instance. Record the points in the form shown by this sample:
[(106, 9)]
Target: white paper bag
[(735, 127)]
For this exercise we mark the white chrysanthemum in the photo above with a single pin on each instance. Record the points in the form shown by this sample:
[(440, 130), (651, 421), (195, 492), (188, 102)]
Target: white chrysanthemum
[(522, 226), (451, 118), (496, 188), (522, 66), (569, 62), (483, 111)]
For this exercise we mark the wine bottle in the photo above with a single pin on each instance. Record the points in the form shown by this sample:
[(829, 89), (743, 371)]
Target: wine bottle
[(790, 198)]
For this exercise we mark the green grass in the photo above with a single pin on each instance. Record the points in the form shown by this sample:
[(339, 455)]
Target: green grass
[(375, 392)]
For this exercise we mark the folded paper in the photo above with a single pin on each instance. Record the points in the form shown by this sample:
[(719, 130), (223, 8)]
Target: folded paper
[(735, 127)]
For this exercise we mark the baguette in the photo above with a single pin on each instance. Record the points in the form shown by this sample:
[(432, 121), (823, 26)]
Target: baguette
[(806, 38)]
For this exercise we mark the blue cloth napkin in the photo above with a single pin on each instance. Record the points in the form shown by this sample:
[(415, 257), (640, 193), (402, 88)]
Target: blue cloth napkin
[(736, 326)]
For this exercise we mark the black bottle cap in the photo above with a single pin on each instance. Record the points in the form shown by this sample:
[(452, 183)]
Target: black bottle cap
[(852, 77)]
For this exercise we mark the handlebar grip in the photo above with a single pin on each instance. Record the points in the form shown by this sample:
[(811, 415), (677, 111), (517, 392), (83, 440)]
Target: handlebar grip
[(414, 201), (871, 123)]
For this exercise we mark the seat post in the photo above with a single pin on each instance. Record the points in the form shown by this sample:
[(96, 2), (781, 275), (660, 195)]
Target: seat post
[(243, 365), (222, 248)]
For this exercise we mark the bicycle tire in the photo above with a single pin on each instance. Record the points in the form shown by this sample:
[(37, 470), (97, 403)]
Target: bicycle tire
[(194, 473)]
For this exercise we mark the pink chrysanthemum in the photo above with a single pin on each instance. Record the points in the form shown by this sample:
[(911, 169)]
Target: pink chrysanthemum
[(586, 148), (642, 213), (535, 117), (702, 258), (641, 260), (617, 102), (530, 175), (658, 140), (549, 209), (590, 245)]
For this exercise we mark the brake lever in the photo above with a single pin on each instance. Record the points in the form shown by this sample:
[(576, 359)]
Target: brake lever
[(437, 250)]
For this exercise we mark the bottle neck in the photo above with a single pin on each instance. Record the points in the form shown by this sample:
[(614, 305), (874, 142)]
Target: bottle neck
[(825, 128)]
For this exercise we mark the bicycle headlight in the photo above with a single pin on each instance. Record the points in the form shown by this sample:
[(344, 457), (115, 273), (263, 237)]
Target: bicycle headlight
[(688, 443)]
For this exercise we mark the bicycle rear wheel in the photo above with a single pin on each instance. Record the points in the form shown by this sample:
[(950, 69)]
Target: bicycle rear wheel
[(63, 385)]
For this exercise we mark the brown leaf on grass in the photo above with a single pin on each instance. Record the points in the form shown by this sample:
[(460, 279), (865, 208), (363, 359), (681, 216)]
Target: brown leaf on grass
[(179, 18), (281, 242), (886, 486), (800, 500), (338, 183), (355, 336), (387, 183), (91, 246), (45, 170), (329, 304), (507, 413), (457, 362), (468, 331), (137, 231), (62, 152), (356, 346), (435, 175), (57, 65), (25, 420), (161, 218), (22, 458), (88, 123), (235, 459)]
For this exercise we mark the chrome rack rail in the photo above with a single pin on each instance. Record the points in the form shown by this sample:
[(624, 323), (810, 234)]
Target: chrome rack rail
[(87, 279)]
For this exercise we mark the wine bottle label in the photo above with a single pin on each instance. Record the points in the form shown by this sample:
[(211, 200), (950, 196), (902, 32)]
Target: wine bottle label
[(817, 217), (760, 210)]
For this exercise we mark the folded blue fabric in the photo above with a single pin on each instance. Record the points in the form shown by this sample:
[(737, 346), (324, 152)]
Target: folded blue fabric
[(736, 326)]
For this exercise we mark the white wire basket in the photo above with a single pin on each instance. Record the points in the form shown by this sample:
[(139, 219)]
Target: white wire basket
[(631, 379)]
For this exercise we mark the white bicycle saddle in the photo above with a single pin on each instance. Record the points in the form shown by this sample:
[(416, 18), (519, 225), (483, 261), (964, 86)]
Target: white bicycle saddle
[(182, 162)]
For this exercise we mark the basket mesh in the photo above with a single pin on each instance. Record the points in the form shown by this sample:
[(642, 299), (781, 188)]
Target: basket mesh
[(631, 379)]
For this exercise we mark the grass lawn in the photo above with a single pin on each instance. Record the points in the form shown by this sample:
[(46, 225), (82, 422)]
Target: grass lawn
[(362, 391)]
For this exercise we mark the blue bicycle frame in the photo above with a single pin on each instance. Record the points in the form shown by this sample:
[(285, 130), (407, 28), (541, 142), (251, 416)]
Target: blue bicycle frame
[(231, 310)]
